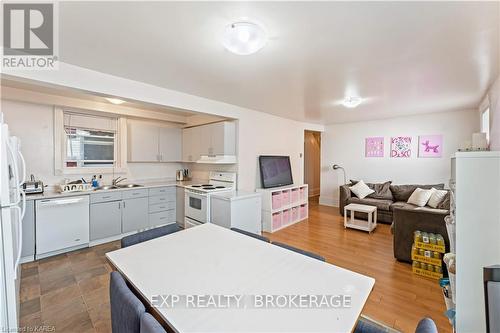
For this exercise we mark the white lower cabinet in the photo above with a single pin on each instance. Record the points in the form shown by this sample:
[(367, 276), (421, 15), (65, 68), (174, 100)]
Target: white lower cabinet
[(162, 206), (115, 213), (105, 220), (134, 214)]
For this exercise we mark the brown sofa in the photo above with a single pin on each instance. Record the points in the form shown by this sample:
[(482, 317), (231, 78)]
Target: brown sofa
[(386, 198), (392, 207)]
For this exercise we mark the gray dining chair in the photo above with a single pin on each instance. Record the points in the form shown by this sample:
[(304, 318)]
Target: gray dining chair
[(368, 325), (150, 325), (251, 234), (304, 252), (126, 308), (149, 234)]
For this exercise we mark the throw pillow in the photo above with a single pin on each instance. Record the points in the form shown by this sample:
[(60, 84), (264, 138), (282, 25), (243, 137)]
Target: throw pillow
[(403, 192), (437, 196), (361, 190), (420, 197), (445, 204), (382, 190)]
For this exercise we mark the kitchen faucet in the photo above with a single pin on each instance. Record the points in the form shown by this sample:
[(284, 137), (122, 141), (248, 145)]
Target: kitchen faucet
[(117, 180)]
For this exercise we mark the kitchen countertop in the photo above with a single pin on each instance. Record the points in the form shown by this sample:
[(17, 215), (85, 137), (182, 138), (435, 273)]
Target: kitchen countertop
[(52, 193), (236, 195)]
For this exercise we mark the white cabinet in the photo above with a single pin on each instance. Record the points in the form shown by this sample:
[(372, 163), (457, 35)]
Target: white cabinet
[(191, 144), (211, 139), (476, 183), (134, 214), (143, 142), (105, 220), (149, 142), (170, 144)]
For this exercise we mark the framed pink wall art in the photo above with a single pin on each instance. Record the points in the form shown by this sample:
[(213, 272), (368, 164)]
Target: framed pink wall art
[(401, 146), (374, 147), (430, 145)]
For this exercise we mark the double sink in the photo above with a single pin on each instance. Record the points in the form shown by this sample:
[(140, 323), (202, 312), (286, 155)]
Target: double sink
[(116, 187)]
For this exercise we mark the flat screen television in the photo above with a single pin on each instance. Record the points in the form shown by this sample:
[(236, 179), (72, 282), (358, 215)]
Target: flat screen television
[(275, 171)]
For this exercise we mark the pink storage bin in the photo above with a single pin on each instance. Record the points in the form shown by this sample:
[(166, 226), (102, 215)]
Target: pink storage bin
[(276, 200), (286, 217), (302, 193), (285, 197), (295, 214), (303, 211), (295, 195), (276, 220)]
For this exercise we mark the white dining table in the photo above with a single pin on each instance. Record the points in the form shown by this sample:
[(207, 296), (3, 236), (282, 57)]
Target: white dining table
[(209, 260)]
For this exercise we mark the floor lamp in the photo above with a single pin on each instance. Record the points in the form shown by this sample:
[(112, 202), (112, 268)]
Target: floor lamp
[(336, 167)]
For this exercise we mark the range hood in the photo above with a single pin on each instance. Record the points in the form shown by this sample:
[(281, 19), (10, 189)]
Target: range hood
[(217, 159)]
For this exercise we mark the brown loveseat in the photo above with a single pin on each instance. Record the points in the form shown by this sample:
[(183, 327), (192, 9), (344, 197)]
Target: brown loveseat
[(392, 207)]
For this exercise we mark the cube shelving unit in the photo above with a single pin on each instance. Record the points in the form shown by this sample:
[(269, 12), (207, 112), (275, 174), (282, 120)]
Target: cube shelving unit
[(284, 206)]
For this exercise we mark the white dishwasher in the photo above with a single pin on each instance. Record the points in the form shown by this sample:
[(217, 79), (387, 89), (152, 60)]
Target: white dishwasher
[(61, 225)]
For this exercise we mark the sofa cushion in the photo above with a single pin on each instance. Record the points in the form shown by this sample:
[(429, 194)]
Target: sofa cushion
[(403, 192), (379, 203), (381, 190), (402, 204)]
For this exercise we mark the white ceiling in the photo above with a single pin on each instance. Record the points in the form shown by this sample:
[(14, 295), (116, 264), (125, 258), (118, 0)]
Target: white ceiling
[(403, 57)]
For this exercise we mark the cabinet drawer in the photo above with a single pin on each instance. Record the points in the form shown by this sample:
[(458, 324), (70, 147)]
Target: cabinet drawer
[(161, 190), (107, 196), (137, 193), (161, 207), (159, 218), (162, 199)]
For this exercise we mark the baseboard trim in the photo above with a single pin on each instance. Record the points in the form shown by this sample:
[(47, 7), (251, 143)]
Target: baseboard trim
[(328, 201)]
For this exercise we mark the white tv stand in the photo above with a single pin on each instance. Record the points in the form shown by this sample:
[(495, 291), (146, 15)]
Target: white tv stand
[(284, 206)]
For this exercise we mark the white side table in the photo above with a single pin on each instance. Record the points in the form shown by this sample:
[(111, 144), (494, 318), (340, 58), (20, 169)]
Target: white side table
[(360, 224)]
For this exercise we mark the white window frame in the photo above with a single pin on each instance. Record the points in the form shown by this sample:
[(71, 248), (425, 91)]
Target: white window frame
[(485, 107), (120, 150)]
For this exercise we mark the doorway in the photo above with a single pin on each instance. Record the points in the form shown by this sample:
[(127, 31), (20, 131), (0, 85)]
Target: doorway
[(312, 163)]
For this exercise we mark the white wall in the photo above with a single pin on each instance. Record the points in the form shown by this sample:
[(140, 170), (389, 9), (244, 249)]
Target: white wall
[(344, 144), (34, 125)]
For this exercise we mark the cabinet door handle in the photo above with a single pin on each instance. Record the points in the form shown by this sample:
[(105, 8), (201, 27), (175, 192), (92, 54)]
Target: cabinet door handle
[(119, 205), (124, 204)]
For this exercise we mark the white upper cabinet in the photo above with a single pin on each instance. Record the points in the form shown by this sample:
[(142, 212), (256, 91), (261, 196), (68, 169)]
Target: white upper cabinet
[(143, 142), (149, 142), (212, 139), (170, 149)]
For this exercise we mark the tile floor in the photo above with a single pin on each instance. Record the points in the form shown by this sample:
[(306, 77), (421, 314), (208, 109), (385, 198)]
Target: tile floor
[(68, 292)]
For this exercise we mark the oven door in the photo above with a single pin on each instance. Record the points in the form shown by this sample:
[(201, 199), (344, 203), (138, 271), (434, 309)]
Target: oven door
[(196, 207)]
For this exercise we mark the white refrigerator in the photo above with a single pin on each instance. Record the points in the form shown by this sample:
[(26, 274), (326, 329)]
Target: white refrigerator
[(12, 206)]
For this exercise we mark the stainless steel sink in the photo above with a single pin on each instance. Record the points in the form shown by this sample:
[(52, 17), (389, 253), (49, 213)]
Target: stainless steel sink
[(129, 185), (106, 187)]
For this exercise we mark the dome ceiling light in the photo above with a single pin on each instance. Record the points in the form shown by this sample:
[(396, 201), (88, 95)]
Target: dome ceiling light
[(351, 101), (244, 38)]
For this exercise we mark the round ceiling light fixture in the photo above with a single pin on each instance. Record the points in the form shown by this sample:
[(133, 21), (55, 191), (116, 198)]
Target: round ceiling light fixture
[(351, 101), (244, 37)]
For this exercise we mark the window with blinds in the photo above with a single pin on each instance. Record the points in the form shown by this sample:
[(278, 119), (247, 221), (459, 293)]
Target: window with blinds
[(90, 141)]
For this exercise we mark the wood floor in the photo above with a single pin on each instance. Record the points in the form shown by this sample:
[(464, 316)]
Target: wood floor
[(69, 292), (400, 298)]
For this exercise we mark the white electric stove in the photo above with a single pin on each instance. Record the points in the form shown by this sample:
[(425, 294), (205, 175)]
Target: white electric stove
[(197, 197)]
